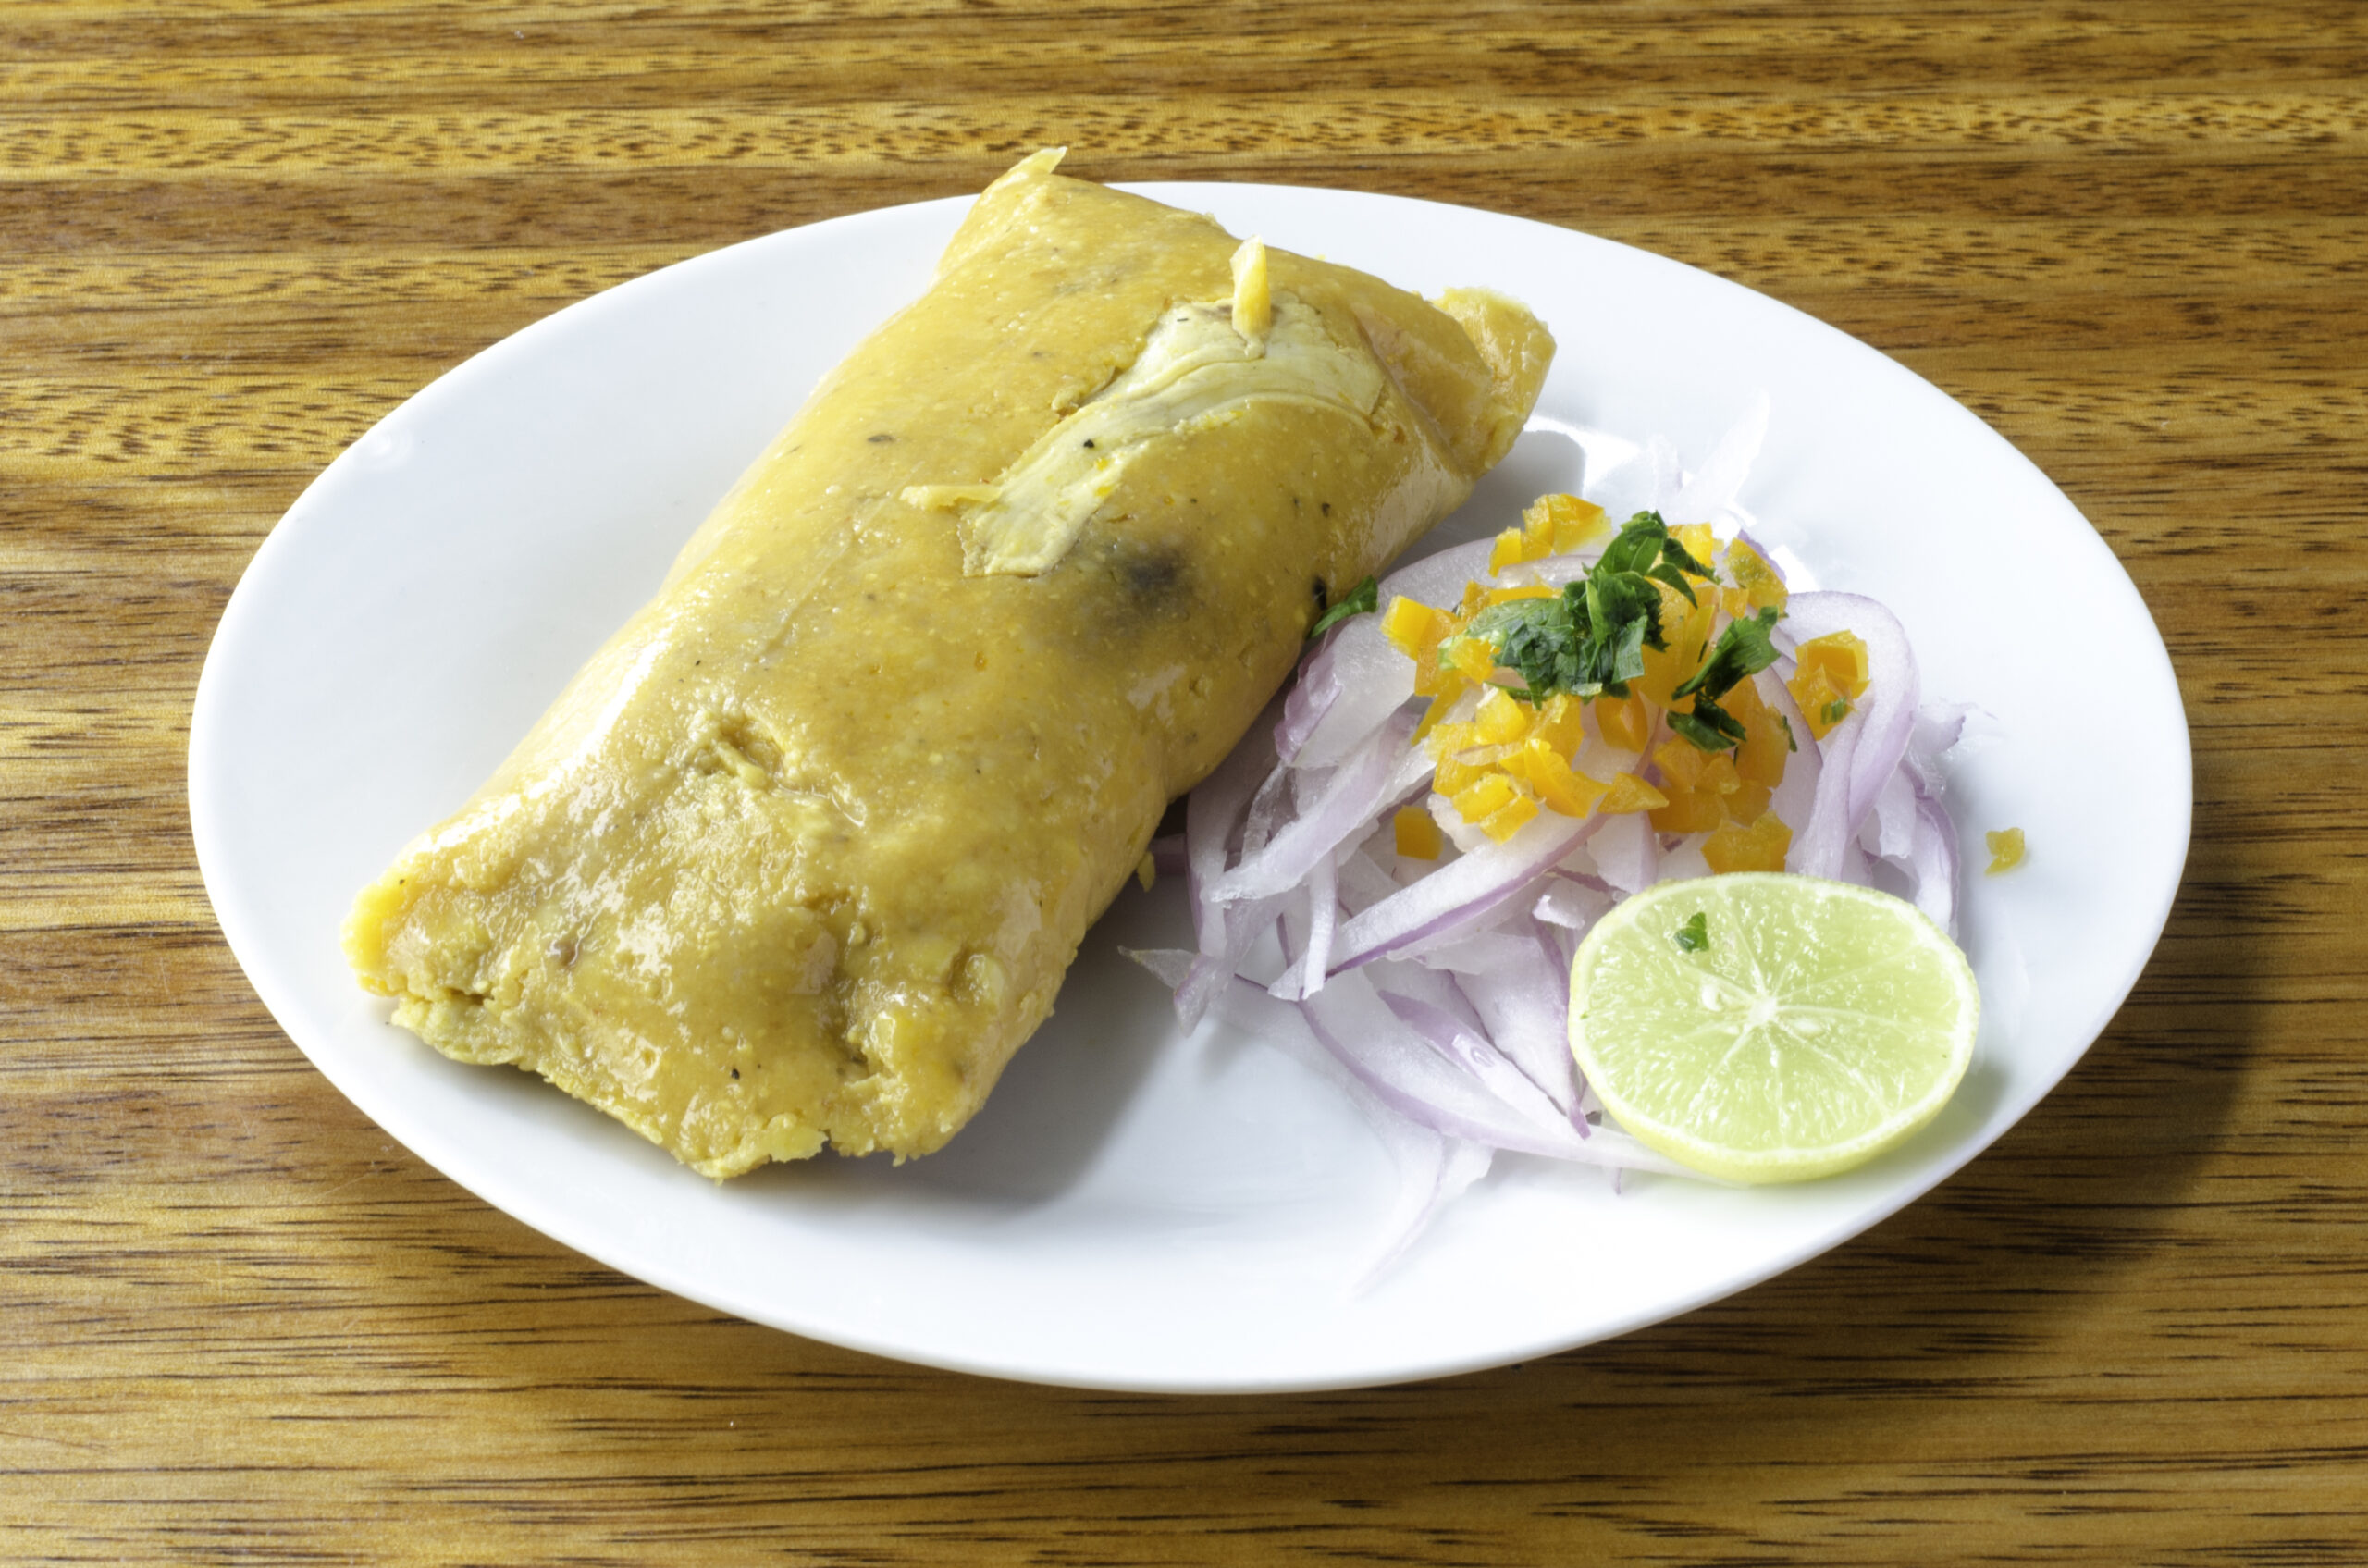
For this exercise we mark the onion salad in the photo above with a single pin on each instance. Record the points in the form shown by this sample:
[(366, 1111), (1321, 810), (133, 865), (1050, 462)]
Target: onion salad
[(1390, 876)]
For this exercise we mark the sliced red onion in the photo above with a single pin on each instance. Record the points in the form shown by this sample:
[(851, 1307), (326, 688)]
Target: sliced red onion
[(1794, 800), (1627, 851), (1940, 727), (1371, 681), (1712, 489), (1355, 679), (1324, 910), (1865, 748), (1527, 1010), (1172, 965), (1891, 825), (1573, 903), (1437, 580), (1433, 1172), (1312, 694), (1439, 989), (1459, 893), (1269, 809), (1214, 816), (1932, 862), (1363, 881), (1477, 952), (1358, 1027), (1433, 1169), (1476, 1053), (1438, 996), (1682, 860), (1344, 807), (1238, 927)]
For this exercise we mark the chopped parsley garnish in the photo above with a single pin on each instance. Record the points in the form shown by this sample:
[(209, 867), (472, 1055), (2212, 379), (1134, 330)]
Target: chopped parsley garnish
[(1362, 600), (1743, 650), (1694, 935), (1590, 639)]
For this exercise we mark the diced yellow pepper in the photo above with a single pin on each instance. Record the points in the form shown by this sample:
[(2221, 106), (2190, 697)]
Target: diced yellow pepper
[(1843, 655), (1488, 755), (1628, 793), (1760, 847), (1442, 703), (1527, 590), (1470, 657), (1503, 718), (1681, 762), (1561, 723), (1447, 738), (1757, 585), (1414, 628), (1537, 534), (1508, 819), (1746, 803), (1686, 630), (1456, 770), (1767, 743), (1624, 722), (1453, 775), (1569, 522), (1700, 541), (1559, 786), (1492, 792), (1418, 837), (1689, 811), (1663, 675), (1705, 789), (1506, 551), (1821, 702), (2006, 850)]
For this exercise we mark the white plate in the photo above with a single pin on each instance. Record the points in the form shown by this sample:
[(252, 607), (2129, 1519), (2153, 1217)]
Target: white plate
[(1135, 1209)]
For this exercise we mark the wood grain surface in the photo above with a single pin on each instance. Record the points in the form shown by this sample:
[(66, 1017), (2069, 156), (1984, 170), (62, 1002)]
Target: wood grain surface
[(240, 1324)]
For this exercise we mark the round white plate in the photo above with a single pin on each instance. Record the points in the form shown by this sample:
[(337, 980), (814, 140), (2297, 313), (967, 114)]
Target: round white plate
[(1137, 1209)]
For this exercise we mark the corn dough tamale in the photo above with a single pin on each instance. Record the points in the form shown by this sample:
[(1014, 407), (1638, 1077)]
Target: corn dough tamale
[(802, 855)]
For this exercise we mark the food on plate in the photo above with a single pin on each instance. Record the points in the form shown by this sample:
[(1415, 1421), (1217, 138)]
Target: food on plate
[(1392, 881), (801, 855), (1771, 1028)]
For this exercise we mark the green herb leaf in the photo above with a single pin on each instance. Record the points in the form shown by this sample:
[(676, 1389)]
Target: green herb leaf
[(1624, 659), (1743, 650), (1665, 573), (1639, 543), (1694, 935), (1676, 554), (1362, 600), (1709, 727), (1837, 711), (1591, 639)]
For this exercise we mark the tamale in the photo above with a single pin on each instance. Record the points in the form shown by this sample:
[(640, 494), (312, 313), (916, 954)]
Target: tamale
[(801, 855)]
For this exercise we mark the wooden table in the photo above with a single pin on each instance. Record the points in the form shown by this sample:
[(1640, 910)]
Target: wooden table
[(241, 1322)]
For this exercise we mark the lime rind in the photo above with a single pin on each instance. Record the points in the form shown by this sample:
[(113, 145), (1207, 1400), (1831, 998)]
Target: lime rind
[(1823, 1024)]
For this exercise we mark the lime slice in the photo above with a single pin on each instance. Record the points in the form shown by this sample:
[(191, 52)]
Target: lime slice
[(1797, 1028)]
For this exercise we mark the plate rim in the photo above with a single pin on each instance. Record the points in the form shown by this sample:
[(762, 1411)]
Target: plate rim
[(208, 829)]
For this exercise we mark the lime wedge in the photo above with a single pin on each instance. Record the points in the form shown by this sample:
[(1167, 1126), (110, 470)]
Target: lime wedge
[(1797, 1028)]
